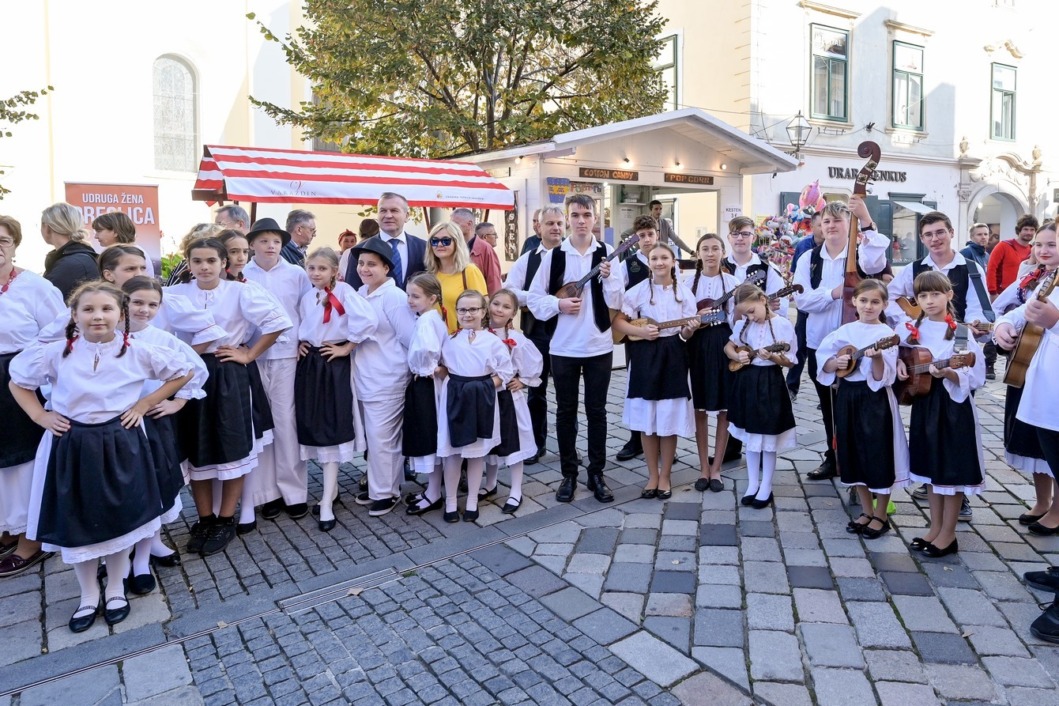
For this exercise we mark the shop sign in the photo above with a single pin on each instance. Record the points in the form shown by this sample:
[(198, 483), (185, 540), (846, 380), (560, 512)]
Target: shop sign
[(688, 179), (615, 174), (877, 175)]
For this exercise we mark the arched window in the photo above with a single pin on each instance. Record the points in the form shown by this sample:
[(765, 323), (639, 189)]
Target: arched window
[(175, 138)]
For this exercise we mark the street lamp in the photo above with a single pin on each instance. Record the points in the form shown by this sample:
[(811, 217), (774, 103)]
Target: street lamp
[(798, 130)]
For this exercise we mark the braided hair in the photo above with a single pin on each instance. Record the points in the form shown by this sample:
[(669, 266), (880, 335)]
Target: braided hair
[(96, 286), (431, 286), (873, 285), (934, 281), (751, 292), (672, 274), (698, 260), (514, 300)]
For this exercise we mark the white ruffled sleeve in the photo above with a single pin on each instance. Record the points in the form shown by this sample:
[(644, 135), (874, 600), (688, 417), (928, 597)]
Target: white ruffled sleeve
[(178, 315), (500, 362), (192, 390), (361, 320), (37, 365), (632, 300), (527, 360), (828, 347), (263, 310), (968, 378), (785, 332), (889, 376), (424, 350)]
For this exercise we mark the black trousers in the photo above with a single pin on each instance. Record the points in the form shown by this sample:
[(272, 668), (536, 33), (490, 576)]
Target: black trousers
[(567, 373), (989, 351), (827, 407), (794, 373), (537, 397)]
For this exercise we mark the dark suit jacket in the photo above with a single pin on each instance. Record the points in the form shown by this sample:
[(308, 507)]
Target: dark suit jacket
[(417, 250)]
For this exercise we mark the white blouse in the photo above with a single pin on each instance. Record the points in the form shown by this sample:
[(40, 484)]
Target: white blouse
[(155, 336), (288, 284), (28, 306), (380, 365), (859, 335), (1040, 403), (758, 336), (710, 287), (238, 308), (424, 350), (636, 303), (92, 385), (526, 359), (932, 337), (355, 325), (485, 355)]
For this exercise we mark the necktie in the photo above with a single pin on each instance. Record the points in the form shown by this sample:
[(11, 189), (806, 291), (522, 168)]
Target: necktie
[(398, 270)]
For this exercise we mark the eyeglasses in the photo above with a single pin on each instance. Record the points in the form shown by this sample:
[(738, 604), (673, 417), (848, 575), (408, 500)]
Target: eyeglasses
[(743, 234), (7, 242), (435, 242), (468, 312)]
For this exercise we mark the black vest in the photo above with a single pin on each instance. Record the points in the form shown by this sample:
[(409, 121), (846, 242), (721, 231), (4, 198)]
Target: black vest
[(636, 270), (816, 268), (599, 306), (729, 266), (540, 330), (959, 279)]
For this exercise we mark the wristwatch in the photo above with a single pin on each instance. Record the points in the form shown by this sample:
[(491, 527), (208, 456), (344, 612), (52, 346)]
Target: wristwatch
[(870, 226)]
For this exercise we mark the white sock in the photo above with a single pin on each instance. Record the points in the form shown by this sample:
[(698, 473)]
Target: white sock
[(327, 499), (141, 563), (85, 571), (433, 491), (158, 548), (246, 503), (491, 469), (218, 493), (452, 481), (753, 471), (768, 467), (516, 481), (475, 467), (117, 571)]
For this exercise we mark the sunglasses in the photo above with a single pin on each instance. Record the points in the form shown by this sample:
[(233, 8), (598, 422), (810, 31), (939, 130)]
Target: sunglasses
[(434, 242)]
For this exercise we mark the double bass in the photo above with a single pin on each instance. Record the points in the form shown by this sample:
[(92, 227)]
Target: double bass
[(852, 278)]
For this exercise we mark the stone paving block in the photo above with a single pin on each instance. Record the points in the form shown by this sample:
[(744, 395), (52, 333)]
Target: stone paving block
[(630, 605), (970, 607), (565, 532), (605, 626), (1003, 641), (673, 582), (893, 693), (184, 696), (774, 655), (705, 689), (597, 540), (981, 561), (20, 607), (522, 545), (799, 540), (729, 662), (899, 583), (569, 604), (816, 606), (676, 605), (635, 553), (861, 589), (554, 564), (715, 627), (642, 520), (536, 581), (804, 558), (726, 516), (961, 682), (675, 631), (761, 549), (893, 562), (851, 567), (582, 563), (155, 673), (146, 610), (607, 517), (563, 549), (895, 665), (718, 555), (678, 543), (88, 687), (501, 560), (592, 584), (675, 561), (840, 687), (1003, 586), (20, 641), (638, 535), (715, 596), (877, 626), (1021, 615), (831, 645), (756, 528), (649, 655), (718, 535), (682, 511), (719, 574), (680, 527), (769, 612), (785, 694), (765, 577), (1021, 696), (950, 576), (794, 522), (810, 577), (920, 613), (628, 577), (943, 648), (1016, 671)]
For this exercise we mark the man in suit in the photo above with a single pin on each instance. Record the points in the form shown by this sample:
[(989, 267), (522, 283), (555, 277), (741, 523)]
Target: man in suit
[(302, 228), (408, 250)]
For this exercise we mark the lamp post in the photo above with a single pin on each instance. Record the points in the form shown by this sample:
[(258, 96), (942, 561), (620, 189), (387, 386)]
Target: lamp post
[(798, 130)]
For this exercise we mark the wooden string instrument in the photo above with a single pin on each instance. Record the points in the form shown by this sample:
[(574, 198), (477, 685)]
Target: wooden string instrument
[(855, 354), (757, 278), (710, 318), (852, 278), (913, 310), (1029, 339), (735, 365), (917, 362), (572, 290)]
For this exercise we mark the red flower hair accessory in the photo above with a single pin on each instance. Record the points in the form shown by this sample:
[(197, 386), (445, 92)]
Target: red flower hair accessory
[(951, 322), (914, 335)]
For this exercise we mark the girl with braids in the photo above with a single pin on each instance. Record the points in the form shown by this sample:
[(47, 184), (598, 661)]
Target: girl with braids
[(516, 428), (94, 493), (944, 440), (658, 400), (759, 405), (871, 447), (238, 253), (710, 377), (333, 320), (420, 427), (477, 365)]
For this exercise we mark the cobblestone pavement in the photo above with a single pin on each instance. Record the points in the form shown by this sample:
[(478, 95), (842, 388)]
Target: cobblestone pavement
[(694, 600)]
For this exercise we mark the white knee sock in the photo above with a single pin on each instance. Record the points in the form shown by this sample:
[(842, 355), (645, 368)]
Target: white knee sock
[(516, 481), (117, 571), (452, 481), (218, 493), (246, 503), (85, 572), (433, 491), (753, 471), (491, 468), (768, 467), (475, 467), (158, 547), (141, 563), (327, 499)]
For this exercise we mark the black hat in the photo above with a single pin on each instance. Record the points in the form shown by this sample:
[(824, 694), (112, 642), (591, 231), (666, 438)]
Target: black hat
[(266, 225), (376, 246)]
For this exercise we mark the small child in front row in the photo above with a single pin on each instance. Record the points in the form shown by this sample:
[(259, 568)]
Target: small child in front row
[(478, 364), (658, 399), (872, 450), (420, 437), (516, 427), (944, 439), (95, 486), (760, 413), (332, 320)]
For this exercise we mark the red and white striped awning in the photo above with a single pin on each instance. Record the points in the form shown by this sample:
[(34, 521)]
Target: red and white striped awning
[(261, 175)]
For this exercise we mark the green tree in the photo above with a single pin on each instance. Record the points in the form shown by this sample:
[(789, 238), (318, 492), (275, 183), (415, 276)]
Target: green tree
[(437, 78), (12, 112)]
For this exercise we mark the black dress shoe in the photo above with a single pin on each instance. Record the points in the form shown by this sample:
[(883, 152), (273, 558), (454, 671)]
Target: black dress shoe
[(649, 493), (83, 622), (1042, 530), (1046, 626), (662, 494), (918, 544), (414, 508), (747, 500), (761, 504), (327, 525), (450, 517), (297, 510), (870, 532), (702, 484), (533, 460), (470, 515), (115, 615), (716, 485), (825, 471), (599, 488), (245, 527), (483, 493), (272, 509), (936, 552), (143, 584), (1028, 519), (565, 493), (168, 561), (511, 506), (628, 452)]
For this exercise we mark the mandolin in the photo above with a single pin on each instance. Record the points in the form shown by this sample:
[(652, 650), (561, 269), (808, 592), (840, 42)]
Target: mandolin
[(855, 354), (756, 278), (913, 310), (735, 365), (710, 318), (917, 361), (852, 278), (572, 290), (1029, 340)]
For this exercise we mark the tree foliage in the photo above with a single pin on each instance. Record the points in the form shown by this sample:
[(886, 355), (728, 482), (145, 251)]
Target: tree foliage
[(12, 112), (437, 78)]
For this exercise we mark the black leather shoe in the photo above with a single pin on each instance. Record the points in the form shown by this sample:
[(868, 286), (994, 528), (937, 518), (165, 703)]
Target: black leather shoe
[(415, 509), (167, 561), (1046, 626), (935, 552), (483, 493), (761, 504), (245, 527), (629, 451), (297, 510), (1028, 519), (1042, 530), (565, 493), (599, 488), (533, 460), (327, 525), (702, 484), (470, 515), (511, 506), (115, 615), (451, 517), (825, 471), (143, 584), (272, 509), (83, 622), (1047, 580), (747, 500)]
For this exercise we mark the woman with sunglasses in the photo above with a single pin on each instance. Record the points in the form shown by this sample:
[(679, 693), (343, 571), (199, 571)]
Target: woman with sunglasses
[(447, 259)]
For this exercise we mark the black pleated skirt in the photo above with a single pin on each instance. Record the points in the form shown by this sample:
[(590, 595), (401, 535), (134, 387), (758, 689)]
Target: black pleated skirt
[(759, 402), (101, 483), (941, 439), (509, 441), (259, 404), (323, 400), (21, 434), (710, 376), (658, 370), (864, 434), (220, 428), (420, 425), (165, 449), (1020, 438), (471, 408)]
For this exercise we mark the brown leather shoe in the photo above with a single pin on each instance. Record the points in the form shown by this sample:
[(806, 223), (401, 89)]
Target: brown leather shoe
[(13, 564)]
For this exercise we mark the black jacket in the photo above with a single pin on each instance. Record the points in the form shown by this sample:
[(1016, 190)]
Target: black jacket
[(70, 265)]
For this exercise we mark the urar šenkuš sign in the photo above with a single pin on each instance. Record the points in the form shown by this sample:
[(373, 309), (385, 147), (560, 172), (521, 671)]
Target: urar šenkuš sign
[(615, 174), (137, 201), (877, 175)]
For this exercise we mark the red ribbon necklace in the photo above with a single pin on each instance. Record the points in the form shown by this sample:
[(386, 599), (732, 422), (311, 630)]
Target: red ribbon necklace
[(7, 285), (331, 302)]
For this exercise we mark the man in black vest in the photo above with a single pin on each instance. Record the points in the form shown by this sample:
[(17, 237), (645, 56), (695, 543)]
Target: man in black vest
[(581, 347), (539, 333)]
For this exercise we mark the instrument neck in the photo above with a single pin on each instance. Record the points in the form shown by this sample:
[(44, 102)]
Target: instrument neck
[(851, 245)]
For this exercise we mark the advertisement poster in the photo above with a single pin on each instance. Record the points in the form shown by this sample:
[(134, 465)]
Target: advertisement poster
[(137, 201)]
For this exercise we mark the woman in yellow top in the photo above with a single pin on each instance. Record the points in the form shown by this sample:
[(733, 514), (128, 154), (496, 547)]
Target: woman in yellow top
[(448, 259)]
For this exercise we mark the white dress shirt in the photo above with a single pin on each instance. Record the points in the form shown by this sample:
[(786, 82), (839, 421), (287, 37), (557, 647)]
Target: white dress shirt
[(902, 286), (1040, 405), (402, 249), (288, 284)]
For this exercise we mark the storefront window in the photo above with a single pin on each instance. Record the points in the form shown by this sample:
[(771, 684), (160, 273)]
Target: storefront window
[(905, 240)]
